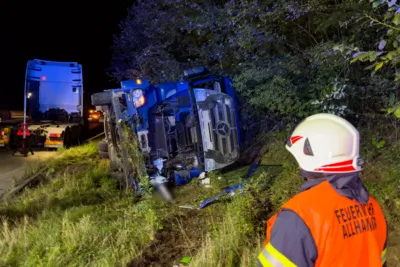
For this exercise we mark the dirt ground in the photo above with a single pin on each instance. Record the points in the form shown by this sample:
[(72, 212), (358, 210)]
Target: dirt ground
[(183, 234), (180, 237), (393, 251)]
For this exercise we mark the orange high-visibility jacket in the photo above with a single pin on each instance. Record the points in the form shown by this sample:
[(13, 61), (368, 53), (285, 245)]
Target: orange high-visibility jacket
[(345, 232)]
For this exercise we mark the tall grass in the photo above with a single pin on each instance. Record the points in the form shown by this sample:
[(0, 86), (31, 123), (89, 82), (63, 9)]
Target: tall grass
[(227, 242), (77, 217), (234, 241)]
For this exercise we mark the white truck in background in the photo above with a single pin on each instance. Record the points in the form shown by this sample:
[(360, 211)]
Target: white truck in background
[(54, 105)]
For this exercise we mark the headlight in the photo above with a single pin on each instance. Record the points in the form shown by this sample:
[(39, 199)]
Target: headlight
[(138, 98), (137, 93)]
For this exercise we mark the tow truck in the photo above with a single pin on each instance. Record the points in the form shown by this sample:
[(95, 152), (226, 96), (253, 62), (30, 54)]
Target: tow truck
[(53, 105), (184, 128)]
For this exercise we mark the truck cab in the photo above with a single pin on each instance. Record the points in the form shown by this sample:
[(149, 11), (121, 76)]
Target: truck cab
[(196, 118), (191, 125), (54, 96)]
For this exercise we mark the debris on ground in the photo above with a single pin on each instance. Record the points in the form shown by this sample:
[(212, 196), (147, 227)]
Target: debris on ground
[(187, 207), (205, 181), (186, 260)]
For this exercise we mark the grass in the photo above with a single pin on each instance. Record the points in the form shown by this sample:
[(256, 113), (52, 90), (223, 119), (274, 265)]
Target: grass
[(78, 217)]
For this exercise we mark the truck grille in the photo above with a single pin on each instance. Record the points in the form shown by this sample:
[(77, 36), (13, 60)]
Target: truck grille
[(218, 126), (224, 131)]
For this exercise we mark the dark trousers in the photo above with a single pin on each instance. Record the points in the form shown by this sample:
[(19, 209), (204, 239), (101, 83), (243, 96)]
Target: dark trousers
[(18, 144)]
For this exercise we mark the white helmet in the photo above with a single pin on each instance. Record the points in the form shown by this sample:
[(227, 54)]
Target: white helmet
[(326, 143)]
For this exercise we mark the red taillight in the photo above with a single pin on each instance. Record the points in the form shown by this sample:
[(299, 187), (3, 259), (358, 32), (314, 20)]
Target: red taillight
[(54, 135)]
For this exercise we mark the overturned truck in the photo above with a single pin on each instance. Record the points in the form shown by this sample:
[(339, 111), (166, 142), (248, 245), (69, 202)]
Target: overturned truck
[(183, 128)]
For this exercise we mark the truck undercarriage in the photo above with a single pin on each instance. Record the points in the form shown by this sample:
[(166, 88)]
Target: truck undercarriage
[(191, 131)]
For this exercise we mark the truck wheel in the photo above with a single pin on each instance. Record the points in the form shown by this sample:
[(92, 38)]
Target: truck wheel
[(106, 125), (101, 98), (103, 154), (103, 146), (75, 134), (112, 140), (67, 138), (115, 162)]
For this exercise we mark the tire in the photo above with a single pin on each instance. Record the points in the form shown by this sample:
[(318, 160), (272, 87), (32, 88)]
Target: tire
[(101, 98), (113, 149), (103, 146), (103, 154), (106, 125), (115, 162), (76, 132), (67, 138)]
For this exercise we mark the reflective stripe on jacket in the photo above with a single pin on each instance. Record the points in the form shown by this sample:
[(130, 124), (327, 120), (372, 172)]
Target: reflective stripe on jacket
[(309, 230)]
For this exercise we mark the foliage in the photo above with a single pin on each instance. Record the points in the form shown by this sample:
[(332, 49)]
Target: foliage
[(136, 159), (77, 216), (386, 18), (288, 58), (287, 86)]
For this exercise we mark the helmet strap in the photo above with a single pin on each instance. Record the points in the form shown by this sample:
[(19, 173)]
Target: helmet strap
[(311, 175)]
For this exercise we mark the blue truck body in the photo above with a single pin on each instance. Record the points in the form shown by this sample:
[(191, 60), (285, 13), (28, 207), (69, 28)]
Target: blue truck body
[(184, 127)]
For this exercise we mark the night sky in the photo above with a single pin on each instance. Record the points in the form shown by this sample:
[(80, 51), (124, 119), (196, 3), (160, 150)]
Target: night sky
[(59, 31)]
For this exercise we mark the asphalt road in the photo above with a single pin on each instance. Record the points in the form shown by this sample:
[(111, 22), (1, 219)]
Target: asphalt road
[(13, 167)]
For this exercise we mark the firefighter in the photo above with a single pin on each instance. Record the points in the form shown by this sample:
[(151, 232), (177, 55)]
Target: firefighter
[(24, 145), (332, 221)]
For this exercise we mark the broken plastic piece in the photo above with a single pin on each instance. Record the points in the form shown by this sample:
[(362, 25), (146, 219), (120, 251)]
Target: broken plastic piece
[(159, 163), (253, 167), (229, 190), (205, 181), (158, 180), (183, 177), (187, 207), (195, 162), (202, 175)]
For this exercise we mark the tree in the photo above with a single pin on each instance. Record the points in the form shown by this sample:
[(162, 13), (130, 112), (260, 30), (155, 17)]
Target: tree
[(386, 18), (280, 53)]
